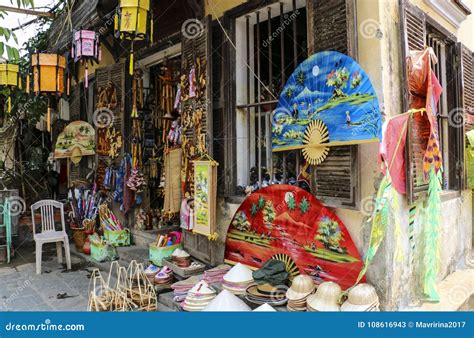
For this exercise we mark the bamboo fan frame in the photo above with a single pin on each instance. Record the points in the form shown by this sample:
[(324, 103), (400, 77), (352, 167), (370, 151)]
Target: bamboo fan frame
[(316, 143)]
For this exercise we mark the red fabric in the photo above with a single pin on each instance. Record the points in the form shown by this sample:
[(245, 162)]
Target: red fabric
[(394, 158), (425, 91)]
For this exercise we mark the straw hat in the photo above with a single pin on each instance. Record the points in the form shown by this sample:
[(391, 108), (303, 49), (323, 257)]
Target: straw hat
[(239, 274), (325, 298), (226, 302), (202, 288), (265, 308), (361, 298), (301, 287)]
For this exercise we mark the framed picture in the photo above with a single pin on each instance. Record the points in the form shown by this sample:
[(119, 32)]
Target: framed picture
[(205, 191)]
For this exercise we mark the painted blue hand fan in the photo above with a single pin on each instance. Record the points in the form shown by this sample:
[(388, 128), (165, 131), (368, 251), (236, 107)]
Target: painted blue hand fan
[(327, 101)]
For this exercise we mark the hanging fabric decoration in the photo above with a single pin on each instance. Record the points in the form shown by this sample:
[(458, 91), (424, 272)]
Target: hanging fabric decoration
[(425, 91), (432, 213), (412, 232), (379, 220), (85, 49)]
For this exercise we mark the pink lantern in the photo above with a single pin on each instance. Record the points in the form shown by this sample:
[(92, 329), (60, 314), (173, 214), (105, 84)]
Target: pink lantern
[(85, 48)]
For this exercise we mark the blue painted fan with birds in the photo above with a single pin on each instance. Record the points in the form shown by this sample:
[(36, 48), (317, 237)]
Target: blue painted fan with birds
[(327, 101)]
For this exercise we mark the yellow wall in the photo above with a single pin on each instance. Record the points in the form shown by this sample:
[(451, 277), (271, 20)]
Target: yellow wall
[(465, 31), (107, 59), (217, 7)]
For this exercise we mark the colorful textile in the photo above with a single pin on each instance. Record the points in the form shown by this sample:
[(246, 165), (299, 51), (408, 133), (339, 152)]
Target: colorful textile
[(432, 213), (379, 220), (392, 150), (425, 91)]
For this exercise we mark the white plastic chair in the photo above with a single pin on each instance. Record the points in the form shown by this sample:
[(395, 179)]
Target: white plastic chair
[(48, 233)]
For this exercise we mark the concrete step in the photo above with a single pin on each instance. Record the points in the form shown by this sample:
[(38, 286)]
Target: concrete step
[(456, 293)]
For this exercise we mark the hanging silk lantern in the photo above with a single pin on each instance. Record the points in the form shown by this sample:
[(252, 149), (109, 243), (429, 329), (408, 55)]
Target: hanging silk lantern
[(48, 77), (48, 73), (134, 19), (9, 78), (134, 22), (85, 48)]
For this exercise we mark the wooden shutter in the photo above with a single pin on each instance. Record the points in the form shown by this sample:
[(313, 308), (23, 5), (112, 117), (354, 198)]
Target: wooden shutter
[(116, 74), (332, 26), (413, 36), (466, 59), (192, 48), (467, 66)]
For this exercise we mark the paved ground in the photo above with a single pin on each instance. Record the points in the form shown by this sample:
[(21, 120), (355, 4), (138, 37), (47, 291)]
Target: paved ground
[(56, 289)]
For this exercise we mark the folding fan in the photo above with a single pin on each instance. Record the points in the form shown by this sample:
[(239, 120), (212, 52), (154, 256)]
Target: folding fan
[(289, 224), (327, 101)]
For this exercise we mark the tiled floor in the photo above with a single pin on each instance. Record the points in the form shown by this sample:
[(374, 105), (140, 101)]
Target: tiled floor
[(56, 289)]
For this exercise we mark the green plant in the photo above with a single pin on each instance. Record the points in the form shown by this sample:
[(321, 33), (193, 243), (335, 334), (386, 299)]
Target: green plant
[(8, 34)]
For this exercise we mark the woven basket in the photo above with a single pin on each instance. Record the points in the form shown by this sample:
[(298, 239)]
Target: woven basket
[(79, 237)]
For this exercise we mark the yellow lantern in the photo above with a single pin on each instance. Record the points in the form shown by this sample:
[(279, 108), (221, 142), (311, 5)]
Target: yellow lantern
[(9, 75), (135, 23), (134, 18), (48, 73)]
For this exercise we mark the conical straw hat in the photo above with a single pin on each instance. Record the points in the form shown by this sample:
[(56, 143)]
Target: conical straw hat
[(325, 298), (226, 302), (238, 274), (301, 287), (202, 288), (265, 308)]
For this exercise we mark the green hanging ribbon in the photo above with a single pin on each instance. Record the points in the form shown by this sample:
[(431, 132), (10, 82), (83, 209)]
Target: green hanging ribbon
[(431, 219), (379, 219)]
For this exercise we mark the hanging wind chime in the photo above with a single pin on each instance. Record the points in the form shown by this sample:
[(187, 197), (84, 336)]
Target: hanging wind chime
[(134, 22), (48, 78), (85, 49), (9, 79)]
